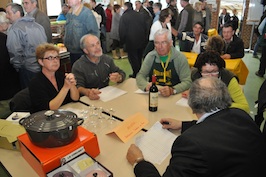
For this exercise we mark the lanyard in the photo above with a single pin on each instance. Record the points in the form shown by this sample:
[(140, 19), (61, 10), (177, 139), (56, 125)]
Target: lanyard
[(165, 66)]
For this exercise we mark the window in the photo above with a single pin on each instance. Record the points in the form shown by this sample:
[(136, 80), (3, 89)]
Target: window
[(54, 7)]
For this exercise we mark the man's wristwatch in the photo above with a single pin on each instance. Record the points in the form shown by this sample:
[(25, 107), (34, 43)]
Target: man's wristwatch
[(174, 91)]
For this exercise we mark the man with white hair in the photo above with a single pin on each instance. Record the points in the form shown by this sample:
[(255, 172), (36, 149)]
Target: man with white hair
[(169, 65)]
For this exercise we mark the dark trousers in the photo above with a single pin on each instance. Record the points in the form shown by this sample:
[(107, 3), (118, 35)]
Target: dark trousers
[(135, 59), (263, 61), (116, 44), (25, 77), (74, 57)]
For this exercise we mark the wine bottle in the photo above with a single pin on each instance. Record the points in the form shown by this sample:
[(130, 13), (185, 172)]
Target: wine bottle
[(153, 95)]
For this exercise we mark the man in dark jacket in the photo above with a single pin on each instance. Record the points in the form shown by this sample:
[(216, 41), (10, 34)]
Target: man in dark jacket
[(223, 142), (224, 18), (233, 45), (133, 33)]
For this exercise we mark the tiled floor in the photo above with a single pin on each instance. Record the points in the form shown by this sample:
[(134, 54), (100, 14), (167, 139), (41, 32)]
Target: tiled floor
[(251, 88)]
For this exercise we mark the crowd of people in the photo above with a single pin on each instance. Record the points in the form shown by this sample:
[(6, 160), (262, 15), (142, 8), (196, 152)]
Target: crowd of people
[(149, 35)]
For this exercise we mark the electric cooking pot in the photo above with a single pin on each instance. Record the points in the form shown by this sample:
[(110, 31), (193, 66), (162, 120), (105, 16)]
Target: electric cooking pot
[(52, 128)]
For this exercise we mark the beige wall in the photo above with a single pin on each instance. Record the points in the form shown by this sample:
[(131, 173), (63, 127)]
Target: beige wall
[(3, 3)]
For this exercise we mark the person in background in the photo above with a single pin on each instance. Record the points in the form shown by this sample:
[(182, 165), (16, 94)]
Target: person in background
[(210, 64), (23, 37), (149, 5), (224, 18), (184, 21), (215, 43), (262, 42), (114, 34), (62, 15), (50, 89), (194, 41), (30, 6), (169, 65), (256, 31), (99, 9), (8, 75), (198, 16), (172, 6), (4, 23), (145, 14), (96, 15), (234, 20), (157, 7), (109, 17), (82, 17), (163, 22), (207, 16), (94, 69), (204, 144), (134, 34), (233, 45)]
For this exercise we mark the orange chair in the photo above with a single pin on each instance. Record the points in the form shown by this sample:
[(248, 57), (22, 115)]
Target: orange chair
[(212, 32)]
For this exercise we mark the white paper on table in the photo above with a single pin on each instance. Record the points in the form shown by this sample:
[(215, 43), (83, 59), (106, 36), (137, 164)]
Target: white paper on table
[(110, 92), (141, 91), (156, 143), (183, 102)]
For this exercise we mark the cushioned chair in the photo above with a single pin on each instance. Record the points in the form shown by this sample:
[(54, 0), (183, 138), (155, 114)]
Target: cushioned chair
[(21, 101)]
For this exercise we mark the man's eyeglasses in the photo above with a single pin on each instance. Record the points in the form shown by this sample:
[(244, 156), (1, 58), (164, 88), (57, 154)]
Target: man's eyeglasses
[(50, 58), (164, 43), (214, 73)]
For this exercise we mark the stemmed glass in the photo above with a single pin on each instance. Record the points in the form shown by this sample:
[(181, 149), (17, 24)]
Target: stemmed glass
[(111, 113)]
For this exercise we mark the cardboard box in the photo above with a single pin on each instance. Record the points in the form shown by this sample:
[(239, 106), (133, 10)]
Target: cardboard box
[(9, 133), (82, 166), (44, 160)]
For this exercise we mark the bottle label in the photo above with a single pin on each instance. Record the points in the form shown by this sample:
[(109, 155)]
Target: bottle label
[(153, 99)]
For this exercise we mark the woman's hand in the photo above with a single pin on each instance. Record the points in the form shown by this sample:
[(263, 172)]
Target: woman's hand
[(185, 94), (70, 80)]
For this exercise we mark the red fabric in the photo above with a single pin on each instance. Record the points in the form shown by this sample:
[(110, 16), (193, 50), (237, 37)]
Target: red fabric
[(108, 19)]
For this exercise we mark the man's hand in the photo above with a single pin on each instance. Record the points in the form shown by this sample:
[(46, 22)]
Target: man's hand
[(93, 94), (226, 56), (166, 91), (169, 123), (115, 77), (133, 154)]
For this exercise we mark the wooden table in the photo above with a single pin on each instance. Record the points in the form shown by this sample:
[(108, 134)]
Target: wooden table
[(237, 66), (112, 149)]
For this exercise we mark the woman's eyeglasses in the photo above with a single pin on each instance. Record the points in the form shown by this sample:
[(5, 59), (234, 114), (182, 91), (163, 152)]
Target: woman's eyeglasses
[(214, 73), (50, 58)]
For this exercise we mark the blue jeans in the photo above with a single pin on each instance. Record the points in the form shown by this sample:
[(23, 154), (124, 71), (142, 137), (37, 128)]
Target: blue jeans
[(256, 46)]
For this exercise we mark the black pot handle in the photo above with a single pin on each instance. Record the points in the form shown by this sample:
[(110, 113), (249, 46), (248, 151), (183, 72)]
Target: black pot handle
[(80, 121), (21, 121)]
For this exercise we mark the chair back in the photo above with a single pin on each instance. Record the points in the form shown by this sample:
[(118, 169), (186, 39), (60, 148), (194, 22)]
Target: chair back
[(21, 101)]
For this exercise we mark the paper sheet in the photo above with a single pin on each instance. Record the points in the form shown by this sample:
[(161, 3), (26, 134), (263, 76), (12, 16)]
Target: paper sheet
[(156, 144), (141, 92), (110, 92), (183, 102), (130, 126)]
